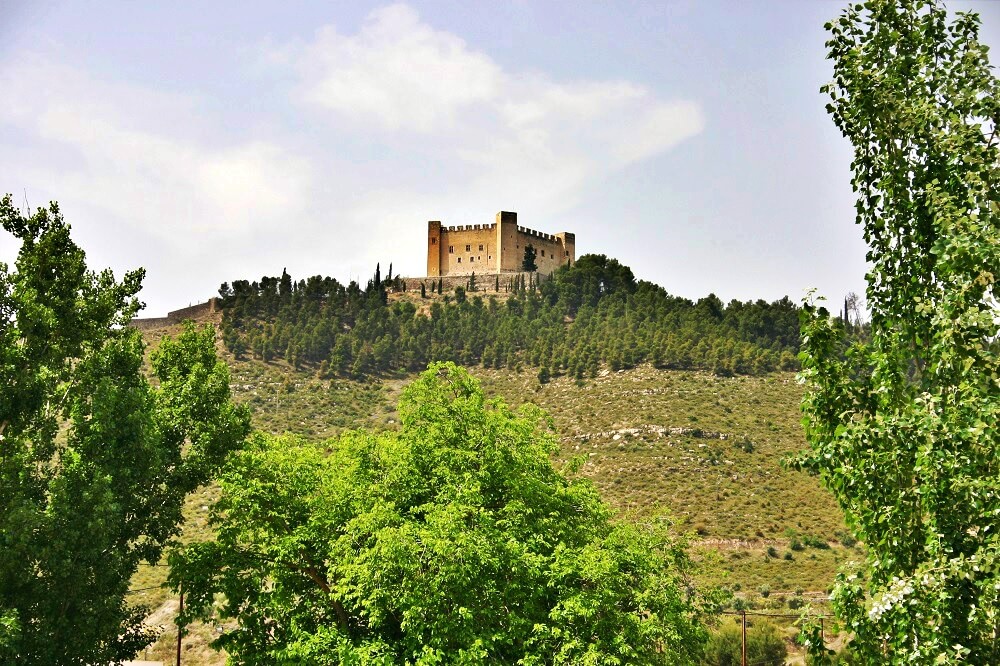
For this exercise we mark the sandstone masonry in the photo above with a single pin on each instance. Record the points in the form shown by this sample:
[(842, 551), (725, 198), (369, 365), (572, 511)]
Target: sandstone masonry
[(178, 316), (494, 248)]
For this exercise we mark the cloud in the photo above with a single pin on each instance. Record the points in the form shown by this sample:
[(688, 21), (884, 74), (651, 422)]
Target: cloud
[(121, 149), (398, 71), (518, 136)]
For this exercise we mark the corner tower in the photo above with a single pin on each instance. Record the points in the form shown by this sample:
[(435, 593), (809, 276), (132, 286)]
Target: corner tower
[(433, 248)]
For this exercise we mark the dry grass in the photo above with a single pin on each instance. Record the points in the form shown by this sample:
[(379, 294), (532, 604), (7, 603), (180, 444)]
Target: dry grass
[(707, 450)]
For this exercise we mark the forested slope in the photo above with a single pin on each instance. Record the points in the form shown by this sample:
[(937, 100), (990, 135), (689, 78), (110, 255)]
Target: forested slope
[(590, 315)]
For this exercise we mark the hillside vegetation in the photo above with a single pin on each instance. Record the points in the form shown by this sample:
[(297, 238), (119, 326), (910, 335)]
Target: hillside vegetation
[(591, 315)]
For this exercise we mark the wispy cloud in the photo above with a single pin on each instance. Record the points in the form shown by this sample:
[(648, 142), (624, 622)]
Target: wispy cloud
[(118, 148)]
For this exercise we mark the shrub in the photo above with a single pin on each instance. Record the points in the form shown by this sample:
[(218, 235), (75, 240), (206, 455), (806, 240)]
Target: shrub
[(815, 542), (846, 538)]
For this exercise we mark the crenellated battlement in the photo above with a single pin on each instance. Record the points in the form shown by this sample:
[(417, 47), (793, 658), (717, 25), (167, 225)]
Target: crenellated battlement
[(470, 227)]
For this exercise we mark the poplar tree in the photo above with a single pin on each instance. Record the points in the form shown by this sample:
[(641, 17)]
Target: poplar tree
[(903, 428)]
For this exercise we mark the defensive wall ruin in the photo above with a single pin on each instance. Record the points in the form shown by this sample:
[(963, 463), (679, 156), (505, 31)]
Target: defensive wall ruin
[(177, 316), (486, 249)]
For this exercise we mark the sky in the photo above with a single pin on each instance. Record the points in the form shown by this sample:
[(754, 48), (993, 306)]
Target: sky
[(209, 142)]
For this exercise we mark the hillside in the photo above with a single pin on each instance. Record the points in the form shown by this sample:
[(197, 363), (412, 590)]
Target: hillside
[(704, 448)]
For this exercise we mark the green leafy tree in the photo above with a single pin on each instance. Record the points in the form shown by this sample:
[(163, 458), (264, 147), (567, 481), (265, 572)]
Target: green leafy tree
[(528, 262), (903, 428), (453, 540), (94, 461)]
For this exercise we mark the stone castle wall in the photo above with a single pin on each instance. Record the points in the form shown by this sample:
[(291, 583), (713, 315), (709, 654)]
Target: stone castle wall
[(177, 316), (485, 283), (463, 249)]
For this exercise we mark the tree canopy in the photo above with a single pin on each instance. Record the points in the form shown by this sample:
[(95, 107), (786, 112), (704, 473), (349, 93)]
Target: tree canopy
[(903, 428), (592, 313), (94, 461), (453, 540)]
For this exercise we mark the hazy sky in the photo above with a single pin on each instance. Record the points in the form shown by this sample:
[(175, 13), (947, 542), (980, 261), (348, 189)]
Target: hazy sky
[(215, 141)]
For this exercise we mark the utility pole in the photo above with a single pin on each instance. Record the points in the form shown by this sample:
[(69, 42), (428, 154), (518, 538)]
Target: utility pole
[(743, 646), (179, 630)]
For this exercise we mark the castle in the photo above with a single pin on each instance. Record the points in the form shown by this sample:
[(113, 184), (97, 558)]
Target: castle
[(494, 248)]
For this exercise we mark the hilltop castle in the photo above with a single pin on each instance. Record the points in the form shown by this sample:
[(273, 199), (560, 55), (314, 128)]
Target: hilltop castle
[(494, 248)]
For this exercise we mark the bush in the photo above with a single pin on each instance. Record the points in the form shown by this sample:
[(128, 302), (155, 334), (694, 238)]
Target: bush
[(815, 542), (846, 538), (765, 647)]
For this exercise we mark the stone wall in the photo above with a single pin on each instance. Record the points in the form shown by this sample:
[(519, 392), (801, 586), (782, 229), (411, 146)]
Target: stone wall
[(148, 323), (467, 248), (177, 316), (550, 249), (485, 283), (195, 311)]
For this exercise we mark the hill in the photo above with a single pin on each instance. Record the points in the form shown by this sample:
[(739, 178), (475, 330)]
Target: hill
[(705, 448), (673, 405)]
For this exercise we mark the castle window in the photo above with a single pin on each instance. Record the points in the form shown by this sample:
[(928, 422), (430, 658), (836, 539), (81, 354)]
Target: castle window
[(451, 249), (434, 241), (468, 248), (472, 260), (543, 253), (460, 260), (480, 247), (567, 253)]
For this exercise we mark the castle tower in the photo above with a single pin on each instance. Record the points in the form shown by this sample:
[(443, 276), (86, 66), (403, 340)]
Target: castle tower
[(508, 256), (568, 241), (433, 249)]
